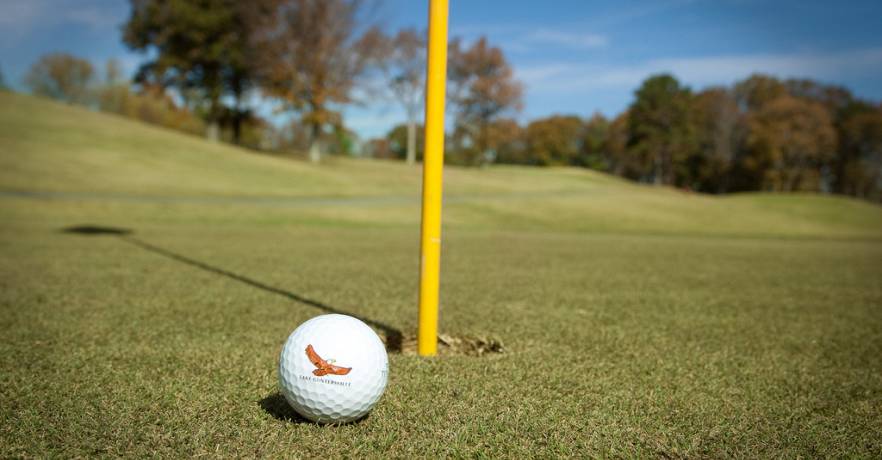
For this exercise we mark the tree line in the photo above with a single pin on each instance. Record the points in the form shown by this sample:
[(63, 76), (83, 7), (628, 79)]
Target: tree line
[(211, 61), (762, 133)]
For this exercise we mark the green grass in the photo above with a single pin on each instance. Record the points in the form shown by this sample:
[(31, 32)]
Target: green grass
[(637, 321)]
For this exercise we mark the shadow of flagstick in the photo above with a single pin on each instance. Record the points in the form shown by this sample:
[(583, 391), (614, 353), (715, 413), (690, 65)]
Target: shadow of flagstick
[(392, 335)]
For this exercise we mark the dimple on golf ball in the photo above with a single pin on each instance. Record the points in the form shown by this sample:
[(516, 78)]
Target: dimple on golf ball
[(333, 369)]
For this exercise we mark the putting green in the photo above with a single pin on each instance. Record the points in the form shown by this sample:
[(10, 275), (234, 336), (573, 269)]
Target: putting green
[(636, 321)]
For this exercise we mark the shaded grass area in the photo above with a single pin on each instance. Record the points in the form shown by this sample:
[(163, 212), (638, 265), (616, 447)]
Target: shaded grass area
[(636, 321)]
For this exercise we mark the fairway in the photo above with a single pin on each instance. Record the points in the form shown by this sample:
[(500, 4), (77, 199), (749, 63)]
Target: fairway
[(150, 279)]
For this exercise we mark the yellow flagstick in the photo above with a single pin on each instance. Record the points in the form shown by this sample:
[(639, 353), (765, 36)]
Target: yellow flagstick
[(433, 163)]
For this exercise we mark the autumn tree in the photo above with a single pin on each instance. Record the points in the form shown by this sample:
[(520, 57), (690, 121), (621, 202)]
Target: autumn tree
[(404, 64), (835, 99), (758, 91), (555, 140), (482, 89), (201, 48), (61, 76), (856, 167), (660, 129), (789, 141), (507, 137), (311, 59)]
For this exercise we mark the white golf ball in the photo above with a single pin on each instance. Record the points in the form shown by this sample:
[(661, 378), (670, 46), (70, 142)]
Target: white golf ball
[(333, 369)]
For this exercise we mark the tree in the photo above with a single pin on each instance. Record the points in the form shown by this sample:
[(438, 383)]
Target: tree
[(789, 141), (859, 161), (622, 162), (113, 73), (507, 137), (594, 154), (835, 98), (757, 90), (839, 103), (556, 140), (61, 76), (202, 48), (720, 132), (405, 69), (660, 128), (856, 166), (342, 141), (3, 85), (379, 148), (311, 59), (400, 141), (483, 88), (113, 94)]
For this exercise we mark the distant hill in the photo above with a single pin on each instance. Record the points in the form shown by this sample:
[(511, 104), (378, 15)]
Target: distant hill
[(52, 149)]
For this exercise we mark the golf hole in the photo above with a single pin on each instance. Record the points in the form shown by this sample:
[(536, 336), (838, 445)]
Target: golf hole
[(448, 345)]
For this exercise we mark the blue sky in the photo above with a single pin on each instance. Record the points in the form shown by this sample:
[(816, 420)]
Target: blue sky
[(574, 57)]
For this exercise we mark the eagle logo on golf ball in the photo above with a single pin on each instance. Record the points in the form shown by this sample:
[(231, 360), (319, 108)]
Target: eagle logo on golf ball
[(324, 367), (333, 369)]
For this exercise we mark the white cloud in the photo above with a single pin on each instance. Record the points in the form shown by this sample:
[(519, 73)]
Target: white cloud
[(707, 70), (636, 10), (19, 19), (566, 39), (527, 38), (92, 16), (474, 31), (539, 74), (823, 66)]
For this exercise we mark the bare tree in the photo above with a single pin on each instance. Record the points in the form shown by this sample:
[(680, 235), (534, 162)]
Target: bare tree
[(311, 57), (61, 76), (483, 88), (404, 64), (720, 130)]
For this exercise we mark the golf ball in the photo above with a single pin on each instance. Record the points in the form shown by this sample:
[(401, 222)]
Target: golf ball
[(333, 369)]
